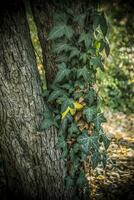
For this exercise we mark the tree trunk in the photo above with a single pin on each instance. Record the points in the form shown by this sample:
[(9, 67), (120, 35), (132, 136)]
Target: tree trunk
[(32, 164)]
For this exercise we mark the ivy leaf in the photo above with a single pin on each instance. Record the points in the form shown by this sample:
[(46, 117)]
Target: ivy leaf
[(57, 32), (79, 84), (64, 124), (74, 167), (83, 140), (68, 102), (81, 179), (86, 37), (69, 182), (96, 62), (60, 18), (83, 72), (80, 19), (73, 129), (90, 113), (90, 97), (60, 30), (62, 58), (104, 159), (95, 159), (77, 95), (69, 32), (84, 57), (62, 145), (76, 148), (62, 73), (46, 123), (67, 86), (99, 120), (105, 140), (61, 47), (74, 53), (55, 94)]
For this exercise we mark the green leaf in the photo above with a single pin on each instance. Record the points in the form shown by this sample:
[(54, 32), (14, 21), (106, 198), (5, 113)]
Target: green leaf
[(100, 20), (90, 113), (67, 102), (83, 72), (103, 24), (102, 44), (67, 86), (74, 167), (69, 182), (73, 129), (76, 148), (74, 53), (95, 159), (48, 113), (84, 57), (55, 94), (79, 84), (107, 49), (64, 124), (105, 140), (104, 159), (81, 181), (69, 32), (57, 32), (78, 95), (46, 123), (46, 93), (80, 19), (90, 97), (60, 18), (83, 140), (62, 73), (96, 62), (62, 58), (99, 120), (86, 37), (61, 30), (96, 20), (61, 144), (61, 47)]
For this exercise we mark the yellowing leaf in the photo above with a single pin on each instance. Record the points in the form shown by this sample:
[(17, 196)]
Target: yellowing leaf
[(65, 112), (72, 111), (78, 106)]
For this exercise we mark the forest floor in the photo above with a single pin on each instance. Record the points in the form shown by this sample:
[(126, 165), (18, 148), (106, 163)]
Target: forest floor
[(116, 182)]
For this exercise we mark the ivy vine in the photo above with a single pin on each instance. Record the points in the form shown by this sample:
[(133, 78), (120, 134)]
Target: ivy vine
[(78, 43)]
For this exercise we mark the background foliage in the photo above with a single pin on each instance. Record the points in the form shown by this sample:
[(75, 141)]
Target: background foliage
[(116, 84)]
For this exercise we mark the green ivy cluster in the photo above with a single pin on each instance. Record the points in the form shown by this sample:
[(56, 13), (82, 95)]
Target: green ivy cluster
[(78, 41)]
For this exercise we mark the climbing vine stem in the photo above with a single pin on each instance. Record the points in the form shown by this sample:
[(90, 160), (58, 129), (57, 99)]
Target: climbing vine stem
[(78, 43)]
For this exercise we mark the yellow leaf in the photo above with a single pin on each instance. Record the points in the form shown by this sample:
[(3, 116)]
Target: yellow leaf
[(78, 106), (72, 111), (65, 112)]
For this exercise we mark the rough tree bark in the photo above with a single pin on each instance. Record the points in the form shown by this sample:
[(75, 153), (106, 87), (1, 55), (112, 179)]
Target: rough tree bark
[(32, 164)]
